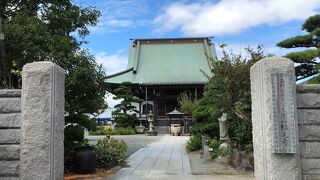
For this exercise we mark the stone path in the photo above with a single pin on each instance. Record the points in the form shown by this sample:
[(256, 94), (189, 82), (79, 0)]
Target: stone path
[(134, 142), (164, 159)]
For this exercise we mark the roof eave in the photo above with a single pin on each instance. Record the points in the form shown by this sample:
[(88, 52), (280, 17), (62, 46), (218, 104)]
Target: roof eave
[(119, 73)]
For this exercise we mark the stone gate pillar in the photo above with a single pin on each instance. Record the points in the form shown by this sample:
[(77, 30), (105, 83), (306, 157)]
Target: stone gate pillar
[(274, 121), (42, 122)]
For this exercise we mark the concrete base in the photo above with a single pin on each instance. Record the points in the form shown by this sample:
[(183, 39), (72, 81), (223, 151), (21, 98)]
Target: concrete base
[(140, 129)]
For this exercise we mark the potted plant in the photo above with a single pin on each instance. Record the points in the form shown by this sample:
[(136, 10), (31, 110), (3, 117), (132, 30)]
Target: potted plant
[(84, 159)]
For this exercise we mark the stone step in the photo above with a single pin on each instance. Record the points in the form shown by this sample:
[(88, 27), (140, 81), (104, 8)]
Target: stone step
[(163, 129)]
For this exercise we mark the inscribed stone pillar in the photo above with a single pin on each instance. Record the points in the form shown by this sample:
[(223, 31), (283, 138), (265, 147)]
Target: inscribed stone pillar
[(274, 121), (223, 127), (42, 122)]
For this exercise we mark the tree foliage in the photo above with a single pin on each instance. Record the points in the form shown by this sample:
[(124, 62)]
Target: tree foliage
[(307, 59), (186, 103), (122, 114), (85, 89), (228, 91), (44, 30), (54, 30)]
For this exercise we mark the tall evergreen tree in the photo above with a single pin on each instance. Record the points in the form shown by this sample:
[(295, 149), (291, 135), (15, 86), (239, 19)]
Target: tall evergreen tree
[(307, 60), (54, 30)]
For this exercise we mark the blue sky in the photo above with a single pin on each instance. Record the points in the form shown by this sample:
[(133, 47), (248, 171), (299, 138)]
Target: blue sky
[(237, 23)]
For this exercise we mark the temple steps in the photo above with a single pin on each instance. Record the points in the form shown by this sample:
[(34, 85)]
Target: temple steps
[(163, 129)]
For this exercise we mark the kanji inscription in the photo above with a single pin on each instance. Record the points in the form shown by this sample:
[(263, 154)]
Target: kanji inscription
[(283, 116)]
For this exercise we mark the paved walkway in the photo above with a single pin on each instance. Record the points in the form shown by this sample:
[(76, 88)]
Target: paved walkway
[(134, 142), (164, 159)]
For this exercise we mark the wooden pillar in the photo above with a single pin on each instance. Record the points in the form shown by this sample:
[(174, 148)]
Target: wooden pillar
[(196, 93), (139, 109)]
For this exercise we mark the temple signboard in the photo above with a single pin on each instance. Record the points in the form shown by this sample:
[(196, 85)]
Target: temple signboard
[(283, 113)]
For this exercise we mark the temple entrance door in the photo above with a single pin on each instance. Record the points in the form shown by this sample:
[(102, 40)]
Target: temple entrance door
[(161, 111), (171, 105)]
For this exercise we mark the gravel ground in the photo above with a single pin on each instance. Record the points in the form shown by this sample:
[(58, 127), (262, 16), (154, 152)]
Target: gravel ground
[(209, 167), (134, 142)]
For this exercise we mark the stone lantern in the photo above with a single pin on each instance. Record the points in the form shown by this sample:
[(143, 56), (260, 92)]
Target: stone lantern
[(151, 131)]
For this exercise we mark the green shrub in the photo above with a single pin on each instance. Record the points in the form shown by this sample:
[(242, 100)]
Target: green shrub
[(125, 131), (214, 144), (125, 120), (107, 130), (110, 152), (207, 128), (119, 131), (228, 93), (220, 152), (186, 103), (194, 143), (96, 133), (73, 136), (248, 148), (76, 133)]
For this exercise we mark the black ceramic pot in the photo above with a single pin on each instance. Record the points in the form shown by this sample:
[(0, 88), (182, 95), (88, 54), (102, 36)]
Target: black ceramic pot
[(84, 160)]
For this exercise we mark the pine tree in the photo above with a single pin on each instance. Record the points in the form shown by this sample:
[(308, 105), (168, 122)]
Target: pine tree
[(121, 112), (306, 60)]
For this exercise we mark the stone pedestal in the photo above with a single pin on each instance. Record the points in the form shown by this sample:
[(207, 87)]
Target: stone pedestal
[(42, 124), (139, 129), (276, 153)]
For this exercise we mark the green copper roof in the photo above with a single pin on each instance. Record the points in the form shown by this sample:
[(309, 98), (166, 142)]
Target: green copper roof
[(165, 61)]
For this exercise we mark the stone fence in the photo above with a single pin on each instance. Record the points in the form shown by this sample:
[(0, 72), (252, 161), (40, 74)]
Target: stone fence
[(32, 125), (285, 121), (10, 117), (308, 104)]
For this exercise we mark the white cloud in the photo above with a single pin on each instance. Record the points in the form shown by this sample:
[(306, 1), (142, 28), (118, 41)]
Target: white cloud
[(231, 16), (119, 22), (110, 24), (112, 62), (117, 15)]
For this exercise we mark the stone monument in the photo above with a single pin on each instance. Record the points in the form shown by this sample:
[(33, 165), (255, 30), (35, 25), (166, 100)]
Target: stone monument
[(42, 122), (223, 131), (274, 121)]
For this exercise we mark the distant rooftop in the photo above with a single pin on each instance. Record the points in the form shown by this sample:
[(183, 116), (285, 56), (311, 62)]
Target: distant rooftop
[(167, 61)]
